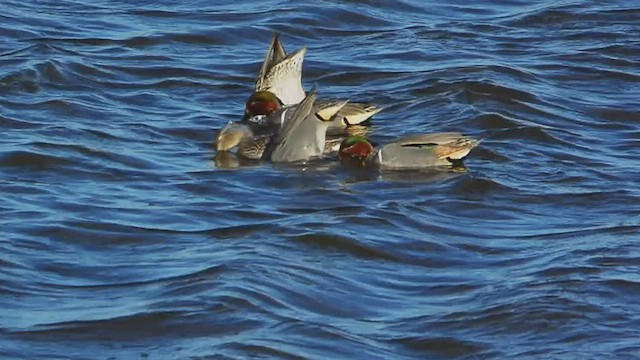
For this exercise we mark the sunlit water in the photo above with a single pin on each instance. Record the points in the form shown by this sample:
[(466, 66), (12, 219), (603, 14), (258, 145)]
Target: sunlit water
[(123, 236)]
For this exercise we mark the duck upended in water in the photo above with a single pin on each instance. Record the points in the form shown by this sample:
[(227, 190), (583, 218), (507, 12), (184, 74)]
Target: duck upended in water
[(302, 135), (281, 76), (411, 152)]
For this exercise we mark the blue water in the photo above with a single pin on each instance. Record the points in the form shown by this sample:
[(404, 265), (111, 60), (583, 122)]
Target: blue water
[(123, 235)]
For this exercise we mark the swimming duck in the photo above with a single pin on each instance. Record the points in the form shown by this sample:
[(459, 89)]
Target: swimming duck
[(411, 152), (250, 145)]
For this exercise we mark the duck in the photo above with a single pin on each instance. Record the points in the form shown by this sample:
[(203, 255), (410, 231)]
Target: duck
[(410, 152), (279, 84)]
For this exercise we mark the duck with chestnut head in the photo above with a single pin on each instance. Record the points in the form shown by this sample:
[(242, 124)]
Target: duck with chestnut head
[(411, 152)]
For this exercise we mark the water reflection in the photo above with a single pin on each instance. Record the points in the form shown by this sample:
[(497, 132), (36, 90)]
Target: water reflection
[(349, 174), (359, 174), (229, 160)]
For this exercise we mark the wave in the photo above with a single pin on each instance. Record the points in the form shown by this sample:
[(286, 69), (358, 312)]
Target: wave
[(344, 244), (32, 160)]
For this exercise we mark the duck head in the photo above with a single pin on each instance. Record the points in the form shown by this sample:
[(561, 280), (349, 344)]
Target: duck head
[(356, 148), (261, 103), (230, 136)]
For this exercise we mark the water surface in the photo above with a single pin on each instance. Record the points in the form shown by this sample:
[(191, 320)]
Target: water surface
[(122, 235)]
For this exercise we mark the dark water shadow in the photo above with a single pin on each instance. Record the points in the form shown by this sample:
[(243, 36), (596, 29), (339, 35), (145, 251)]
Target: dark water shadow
[(441, 173)]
